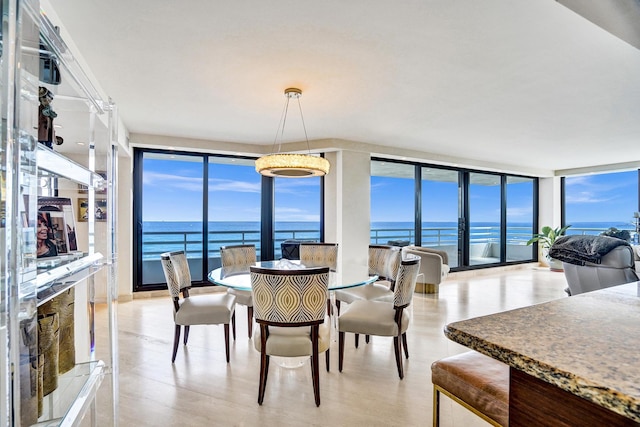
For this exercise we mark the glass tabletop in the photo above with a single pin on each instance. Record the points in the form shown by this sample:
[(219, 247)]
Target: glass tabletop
[(350, 276)]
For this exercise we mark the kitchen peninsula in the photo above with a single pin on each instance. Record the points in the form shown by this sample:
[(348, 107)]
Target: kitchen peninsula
[(573, 361)]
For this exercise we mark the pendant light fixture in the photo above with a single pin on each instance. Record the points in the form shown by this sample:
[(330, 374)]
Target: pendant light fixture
[(290, 165)]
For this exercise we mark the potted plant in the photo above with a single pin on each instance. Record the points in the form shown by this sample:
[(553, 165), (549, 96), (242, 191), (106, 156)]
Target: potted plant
[(546, 239)]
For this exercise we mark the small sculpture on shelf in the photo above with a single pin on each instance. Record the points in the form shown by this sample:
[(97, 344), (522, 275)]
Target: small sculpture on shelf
[(46, 132)]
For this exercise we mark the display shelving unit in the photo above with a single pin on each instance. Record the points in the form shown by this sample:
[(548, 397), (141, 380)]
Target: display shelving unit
[(82, 169)]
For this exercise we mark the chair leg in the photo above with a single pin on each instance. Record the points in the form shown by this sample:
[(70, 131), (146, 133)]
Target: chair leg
[(176, 340), (250, 320), (338, 306), (436, 407), (404, 345), (327, 359), (397, 343), (357, 339), (186, 334), (233, 324), (315, 363), (328, 307), (366, 339), (340, 350), (226, 340), (264, 361)]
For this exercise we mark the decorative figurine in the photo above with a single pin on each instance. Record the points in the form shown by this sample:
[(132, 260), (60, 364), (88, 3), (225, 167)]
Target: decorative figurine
[(46, 132)]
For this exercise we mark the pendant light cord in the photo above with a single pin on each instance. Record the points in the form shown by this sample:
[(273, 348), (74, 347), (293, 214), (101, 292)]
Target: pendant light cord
[(282, 123), (303, 125)]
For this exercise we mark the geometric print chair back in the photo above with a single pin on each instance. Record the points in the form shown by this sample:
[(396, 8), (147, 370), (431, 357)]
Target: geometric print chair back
[(394, 257), (289, 296), (176, 272), (237, 258), (378, 259), (406, 282), (319, 255)]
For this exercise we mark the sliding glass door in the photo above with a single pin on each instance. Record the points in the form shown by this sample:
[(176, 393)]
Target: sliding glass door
[(520, 217), (478, 218), (484, 218), (440, 211)]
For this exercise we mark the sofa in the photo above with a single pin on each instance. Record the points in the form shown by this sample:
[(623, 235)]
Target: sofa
[(594, 262), (434, 267)]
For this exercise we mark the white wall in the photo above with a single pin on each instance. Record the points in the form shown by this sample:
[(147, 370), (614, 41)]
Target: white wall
[(347, 205), (125, 229), (549, 207)]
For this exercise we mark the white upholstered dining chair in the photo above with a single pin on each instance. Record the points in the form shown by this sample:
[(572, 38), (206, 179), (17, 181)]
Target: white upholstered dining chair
[(383, 318), (384, 261), (206, 309)]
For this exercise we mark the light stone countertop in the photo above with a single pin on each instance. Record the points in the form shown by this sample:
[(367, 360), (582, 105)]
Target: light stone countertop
[(587, 344)]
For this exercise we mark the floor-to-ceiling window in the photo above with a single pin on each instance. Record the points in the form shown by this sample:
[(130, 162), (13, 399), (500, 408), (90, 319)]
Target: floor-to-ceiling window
[(198, 202), (297, 211), (478, 218), (484, 218), (392, 203), (169, 213), (234, 209), (596, 202), (440, 211), (520, 200)]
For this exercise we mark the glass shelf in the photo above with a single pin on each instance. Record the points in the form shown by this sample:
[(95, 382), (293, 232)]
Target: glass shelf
[(58, 165), (76, 390), (81, 174), (52, 281)]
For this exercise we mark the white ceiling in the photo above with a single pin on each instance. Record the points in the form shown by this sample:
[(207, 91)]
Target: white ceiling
[(518, 83)]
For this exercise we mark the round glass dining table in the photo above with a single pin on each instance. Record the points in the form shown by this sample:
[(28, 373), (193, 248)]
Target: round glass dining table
[(350, 275)]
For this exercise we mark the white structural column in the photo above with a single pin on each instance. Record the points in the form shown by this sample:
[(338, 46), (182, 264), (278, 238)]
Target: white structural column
[(549, 206), (347, 205)]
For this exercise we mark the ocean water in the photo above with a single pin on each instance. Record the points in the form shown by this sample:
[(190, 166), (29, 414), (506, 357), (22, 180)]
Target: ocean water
[(161, 236)]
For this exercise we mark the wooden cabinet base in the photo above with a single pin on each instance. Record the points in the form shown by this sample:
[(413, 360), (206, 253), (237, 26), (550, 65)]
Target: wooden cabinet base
[(533, 402)]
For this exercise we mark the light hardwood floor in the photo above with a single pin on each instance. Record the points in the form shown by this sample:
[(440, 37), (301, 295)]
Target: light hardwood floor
[(200, 389)]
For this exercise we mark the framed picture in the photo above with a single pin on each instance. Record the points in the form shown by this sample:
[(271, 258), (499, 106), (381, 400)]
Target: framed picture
[(99, 209), (61, 220), (82, 189)]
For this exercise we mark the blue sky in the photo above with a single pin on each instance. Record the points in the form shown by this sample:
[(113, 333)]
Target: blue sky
[(611, 197), (392, 200), (173, 192)]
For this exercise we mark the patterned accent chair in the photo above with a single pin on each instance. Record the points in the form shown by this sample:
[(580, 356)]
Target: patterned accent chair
[(237, 259), (319, 255), (383, 261), (210, 309), (383, 318), (289, 307)]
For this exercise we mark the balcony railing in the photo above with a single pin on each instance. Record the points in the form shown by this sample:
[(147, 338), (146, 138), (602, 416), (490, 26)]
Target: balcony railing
[(155, 243), (484, 243)]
